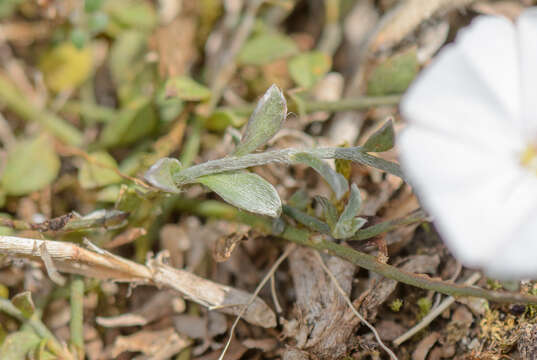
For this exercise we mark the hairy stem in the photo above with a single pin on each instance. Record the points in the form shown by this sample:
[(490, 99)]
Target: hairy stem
[(216, 209), (310, 106), (287, 156)]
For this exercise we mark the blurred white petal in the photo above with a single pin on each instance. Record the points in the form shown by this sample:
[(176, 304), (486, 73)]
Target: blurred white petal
[(469, 192), (527, 31), (471, 115)]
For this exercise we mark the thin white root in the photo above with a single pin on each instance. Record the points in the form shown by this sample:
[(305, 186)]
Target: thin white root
[(348, 301), (271, 272)]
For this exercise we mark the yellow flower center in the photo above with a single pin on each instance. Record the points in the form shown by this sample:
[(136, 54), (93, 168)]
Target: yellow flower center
[(528, 158)]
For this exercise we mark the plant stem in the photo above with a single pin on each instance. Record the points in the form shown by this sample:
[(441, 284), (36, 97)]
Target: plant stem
[(16, 102), (216, 209), (287, 156), (359, 103), (310, 106), (77, 315)]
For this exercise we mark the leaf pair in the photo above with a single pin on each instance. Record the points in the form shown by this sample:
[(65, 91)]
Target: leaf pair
[(348, 223), (240, 188)]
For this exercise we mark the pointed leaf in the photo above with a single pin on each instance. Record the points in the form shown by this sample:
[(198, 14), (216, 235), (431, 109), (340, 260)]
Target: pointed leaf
[(307, 220), (337, 182), (382, 140), (299, 200), (31, 165), (23, 302), (264, 122), (160, 175), (245, 190), (329, 211), (348, 223)]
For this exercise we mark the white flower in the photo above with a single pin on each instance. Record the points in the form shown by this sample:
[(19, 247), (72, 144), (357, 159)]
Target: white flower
[(470, 149)]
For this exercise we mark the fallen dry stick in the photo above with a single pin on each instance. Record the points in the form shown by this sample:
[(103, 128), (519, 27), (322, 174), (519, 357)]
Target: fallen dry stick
[(95, 262)]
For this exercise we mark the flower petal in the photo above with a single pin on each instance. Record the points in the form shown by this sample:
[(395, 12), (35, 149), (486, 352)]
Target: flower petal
[(471, 90), (517, 257), (527, 35), (471, 193)]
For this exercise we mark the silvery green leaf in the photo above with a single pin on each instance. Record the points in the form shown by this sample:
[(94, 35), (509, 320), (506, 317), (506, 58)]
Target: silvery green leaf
[(160, 175), (337, 182), (307, 220), (382, 140), (246, 191), (329, 211), (264, 122), (299, 200), (348, 223)]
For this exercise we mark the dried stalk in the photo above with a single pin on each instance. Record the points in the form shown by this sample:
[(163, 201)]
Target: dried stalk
[(101, 264)]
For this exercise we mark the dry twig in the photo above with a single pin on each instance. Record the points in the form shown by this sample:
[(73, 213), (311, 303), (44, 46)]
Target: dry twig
[(101, 264)]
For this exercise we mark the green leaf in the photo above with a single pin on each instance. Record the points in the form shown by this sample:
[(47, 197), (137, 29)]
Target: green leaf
[(382, 140), (185, 88), (136, 120), (23, 302), (348, 223), (31, 165), (299, 200), (246, 191), (17, 345), (266, 48), (219, 120), (126, 55), (137, 14), (168, 108), (308, 68), (337, 182), (99, 172), (307, 220), (66, 67), (161, 174), (8, 7), (264, 122), (394, 75), (329, 211)]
